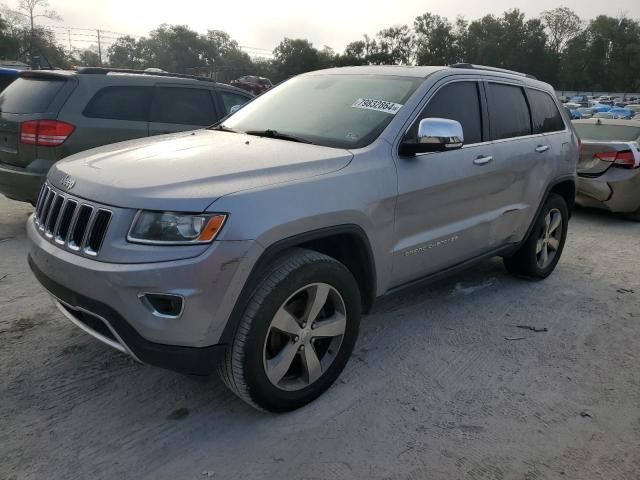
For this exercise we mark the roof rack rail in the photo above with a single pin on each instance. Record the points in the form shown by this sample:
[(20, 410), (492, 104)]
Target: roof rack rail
[(105, 70), (491, 69)]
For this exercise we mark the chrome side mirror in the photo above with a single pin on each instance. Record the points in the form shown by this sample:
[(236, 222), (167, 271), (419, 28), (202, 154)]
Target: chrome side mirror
[(435, 135)]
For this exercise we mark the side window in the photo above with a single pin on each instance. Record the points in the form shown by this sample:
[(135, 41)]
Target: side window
[(120, 103), (231, 99), (545, 114), (508, 111), (457, 101), (184, 106)]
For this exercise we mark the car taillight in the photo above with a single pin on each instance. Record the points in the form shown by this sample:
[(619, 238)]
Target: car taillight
[(45, 133), (624, 159)]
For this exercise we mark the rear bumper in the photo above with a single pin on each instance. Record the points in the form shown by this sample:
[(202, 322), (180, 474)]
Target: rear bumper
[(105, 324), (19, 184), (616, 190)]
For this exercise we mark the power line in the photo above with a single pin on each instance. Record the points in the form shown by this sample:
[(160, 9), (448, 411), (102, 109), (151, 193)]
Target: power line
[(82, 37)]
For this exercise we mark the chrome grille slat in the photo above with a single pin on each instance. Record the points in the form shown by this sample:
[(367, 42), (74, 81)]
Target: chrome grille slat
[(66, 220), (54, 213), (70, 223), (46, 208), (87, 230), (56, 227), (80, 227), (39, 202)]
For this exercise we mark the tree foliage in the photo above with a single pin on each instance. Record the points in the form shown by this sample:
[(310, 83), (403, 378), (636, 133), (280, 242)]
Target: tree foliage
[(558, 47)]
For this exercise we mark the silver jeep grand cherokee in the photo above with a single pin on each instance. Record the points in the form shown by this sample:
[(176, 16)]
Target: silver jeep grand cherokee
[(252, 247)]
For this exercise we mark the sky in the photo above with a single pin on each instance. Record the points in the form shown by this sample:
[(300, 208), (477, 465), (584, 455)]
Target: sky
[(264, 23)]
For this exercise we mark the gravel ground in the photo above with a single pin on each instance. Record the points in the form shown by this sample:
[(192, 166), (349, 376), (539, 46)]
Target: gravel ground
[(442, 385)]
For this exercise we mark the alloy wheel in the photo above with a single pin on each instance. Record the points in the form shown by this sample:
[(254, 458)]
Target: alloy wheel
[(549, 240), (304, 336)]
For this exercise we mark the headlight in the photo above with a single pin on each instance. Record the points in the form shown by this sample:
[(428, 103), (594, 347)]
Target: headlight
[(175, 228)]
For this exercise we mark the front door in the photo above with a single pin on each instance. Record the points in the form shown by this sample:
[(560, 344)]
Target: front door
[(451, 205)]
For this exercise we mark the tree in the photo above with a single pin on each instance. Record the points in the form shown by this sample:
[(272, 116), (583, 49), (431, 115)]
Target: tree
[(30, 10), (562, 24), (125, 53), (88, 58), (9, 45), (436, 41), (395, 46), (294, 56), (175, 48)]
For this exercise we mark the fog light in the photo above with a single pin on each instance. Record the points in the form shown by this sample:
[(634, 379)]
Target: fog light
[(162, 304)]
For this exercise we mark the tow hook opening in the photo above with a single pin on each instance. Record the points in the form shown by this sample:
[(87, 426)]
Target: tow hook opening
[(163, 304)]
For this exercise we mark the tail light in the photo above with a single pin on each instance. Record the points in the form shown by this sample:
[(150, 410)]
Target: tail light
[(45, 133), (624, 159)]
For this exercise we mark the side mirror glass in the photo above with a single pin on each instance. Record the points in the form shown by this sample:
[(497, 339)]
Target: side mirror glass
[(435, 135)]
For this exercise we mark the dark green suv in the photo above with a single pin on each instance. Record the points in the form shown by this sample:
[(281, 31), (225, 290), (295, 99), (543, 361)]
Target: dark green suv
[(48, 115)]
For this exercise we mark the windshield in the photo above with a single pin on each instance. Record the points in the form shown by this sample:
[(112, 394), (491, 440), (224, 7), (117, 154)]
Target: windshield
[(607, 133), (344, 111)]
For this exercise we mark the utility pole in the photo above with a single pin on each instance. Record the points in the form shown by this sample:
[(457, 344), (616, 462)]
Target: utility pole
[(99, 48), (69, 37)]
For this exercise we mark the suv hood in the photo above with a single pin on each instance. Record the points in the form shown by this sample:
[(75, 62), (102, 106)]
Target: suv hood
[(189, 171)]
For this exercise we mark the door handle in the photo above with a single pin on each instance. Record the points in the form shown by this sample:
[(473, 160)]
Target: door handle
[(542, 148), (483, 160)]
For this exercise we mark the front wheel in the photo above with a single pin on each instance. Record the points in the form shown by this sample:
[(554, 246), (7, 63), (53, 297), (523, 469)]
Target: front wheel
[(540, 253), (296, 334)]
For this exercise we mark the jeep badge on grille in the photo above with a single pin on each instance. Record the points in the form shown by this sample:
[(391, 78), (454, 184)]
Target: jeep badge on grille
[(67, 182)]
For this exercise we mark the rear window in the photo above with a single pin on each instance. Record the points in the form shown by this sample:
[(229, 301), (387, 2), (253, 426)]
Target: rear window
[(546, 117), (120, 103), (508, 111), (29, 95), (607, 133), (5, 81)]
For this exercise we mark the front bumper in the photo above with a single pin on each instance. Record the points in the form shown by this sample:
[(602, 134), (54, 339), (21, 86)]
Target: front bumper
[(91, 291), (19, 184), (616, 190)]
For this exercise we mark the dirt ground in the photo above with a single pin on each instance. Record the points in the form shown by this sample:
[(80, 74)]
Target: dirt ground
[(443, 384)]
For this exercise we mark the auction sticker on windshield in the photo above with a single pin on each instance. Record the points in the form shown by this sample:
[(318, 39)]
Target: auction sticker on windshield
[(377, 105)]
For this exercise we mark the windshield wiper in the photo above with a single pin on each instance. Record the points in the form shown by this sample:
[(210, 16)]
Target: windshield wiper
[(222, 128), (279, 135)]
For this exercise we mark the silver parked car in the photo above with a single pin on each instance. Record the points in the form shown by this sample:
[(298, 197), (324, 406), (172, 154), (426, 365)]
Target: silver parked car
[(253, 247), (609, 167)]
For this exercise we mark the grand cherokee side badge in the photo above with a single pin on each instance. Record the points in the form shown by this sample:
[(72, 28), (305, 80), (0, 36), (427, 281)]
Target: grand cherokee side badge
[(424, 248)]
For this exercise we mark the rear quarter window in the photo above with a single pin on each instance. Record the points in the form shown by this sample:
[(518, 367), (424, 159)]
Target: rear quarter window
[(120, 103), (544, 112), (30, 95), (508, 111)]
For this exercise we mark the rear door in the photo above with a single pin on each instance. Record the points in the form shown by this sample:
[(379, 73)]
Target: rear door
[(113, 113), (35, 97), (176, 108), (523, 155)]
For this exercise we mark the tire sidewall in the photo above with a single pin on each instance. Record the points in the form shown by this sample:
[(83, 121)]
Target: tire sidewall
[(260, 388)]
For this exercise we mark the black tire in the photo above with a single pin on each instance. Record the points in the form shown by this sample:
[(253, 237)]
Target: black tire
[(634, 217), (244, 370), (525, 261)]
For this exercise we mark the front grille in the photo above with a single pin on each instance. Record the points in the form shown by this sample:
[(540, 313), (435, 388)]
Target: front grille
[(70, 222)]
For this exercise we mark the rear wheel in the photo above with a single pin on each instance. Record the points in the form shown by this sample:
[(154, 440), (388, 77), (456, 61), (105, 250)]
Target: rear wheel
[(540, 253), (296, 334)]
